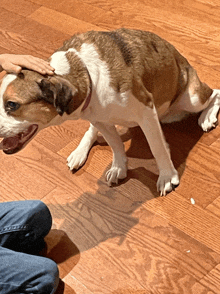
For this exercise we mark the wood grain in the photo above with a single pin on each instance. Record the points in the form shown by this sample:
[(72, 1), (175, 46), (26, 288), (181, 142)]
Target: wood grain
[(61, 22), (22, 7), (212, 279), (124, 239)]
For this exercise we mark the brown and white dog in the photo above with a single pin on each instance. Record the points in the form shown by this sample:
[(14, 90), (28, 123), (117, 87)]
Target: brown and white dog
[(124, 77)]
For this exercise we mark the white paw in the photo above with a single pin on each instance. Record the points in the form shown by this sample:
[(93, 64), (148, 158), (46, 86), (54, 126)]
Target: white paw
[(115, 174), (167, 182), (209, 118), (76, 159)]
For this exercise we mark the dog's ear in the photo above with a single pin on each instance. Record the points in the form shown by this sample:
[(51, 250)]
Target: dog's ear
[(61, 93)]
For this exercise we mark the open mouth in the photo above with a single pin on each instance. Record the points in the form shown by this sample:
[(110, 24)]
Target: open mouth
[(13, 144)]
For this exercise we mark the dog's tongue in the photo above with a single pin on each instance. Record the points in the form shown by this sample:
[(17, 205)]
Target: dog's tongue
[(13, 144), (9, 143)]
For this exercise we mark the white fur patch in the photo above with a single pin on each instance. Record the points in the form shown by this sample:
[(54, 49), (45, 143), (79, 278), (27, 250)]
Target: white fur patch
[(60, 62), (79, 155), (99, 72), (6, 81), (209, 117), (9, 126)]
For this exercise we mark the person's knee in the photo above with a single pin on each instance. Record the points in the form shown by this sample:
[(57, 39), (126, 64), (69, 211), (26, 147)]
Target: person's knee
[(31, 213), (24, 273), (40, 218), (38, 224), (25, 223), (49, 280)]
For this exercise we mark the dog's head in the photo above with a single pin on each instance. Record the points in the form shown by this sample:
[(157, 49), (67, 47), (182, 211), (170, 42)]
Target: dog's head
[(30, 102)]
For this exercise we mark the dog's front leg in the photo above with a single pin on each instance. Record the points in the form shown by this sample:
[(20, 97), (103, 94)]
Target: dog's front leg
[(78, 157), (118, 169), (168, 176)]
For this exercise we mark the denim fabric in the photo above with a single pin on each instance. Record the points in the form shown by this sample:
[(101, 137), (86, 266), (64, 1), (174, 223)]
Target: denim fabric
[(23, 226)]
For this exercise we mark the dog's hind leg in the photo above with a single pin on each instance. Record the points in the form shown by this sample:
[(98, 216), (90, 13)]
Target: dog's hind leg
[(198, 97), (118, 169), (78, 157), (209, 117)]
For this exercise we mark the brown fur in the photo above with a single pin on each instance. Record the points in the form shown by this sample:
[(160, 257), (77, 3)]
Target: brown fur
[(25, 91), (138, 61)]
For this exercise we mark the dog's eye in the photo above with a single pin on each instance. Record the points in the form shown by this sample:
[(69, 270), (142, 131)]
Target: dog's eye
[(12, 106)]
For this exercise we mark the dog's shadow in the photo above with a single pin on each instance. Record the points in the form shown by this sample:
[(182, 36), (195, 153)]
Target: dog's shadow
[(108, 213), (181, 137)]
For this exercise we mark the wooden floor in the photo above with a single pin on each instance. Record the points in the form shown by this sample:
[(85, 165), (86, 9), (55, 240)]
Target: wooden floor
[(125, 239)]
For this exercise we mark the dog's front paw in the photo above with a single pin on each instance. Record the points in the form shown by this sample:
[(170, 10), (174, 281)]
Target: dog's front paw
[(115, 174), (167, 182), (76, 159)]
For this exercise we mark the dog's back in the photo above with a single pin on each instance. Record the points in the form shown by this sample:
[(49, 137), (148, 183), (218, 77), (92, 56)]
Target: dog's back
[(137, 58)]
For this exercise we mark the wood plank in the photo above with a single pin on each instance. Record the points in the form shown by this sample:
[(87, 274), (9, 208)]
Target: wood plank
[(214, 207), (203, 189), (9, 194), (44, 163), (213, 3), (55, 138), (191, 219), (198, 10), (18, 180), (78, 287), (21, 7), (90, 13), (203, 158), (47, 3), (212, 279), (135, 244), (201, 172), (3, 50), (61, 22), (210, 137), (15, 44), (23, 35)]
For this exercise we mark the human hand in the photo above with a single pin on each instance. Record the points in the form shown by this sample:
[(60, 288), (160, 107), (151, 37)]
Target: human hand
[(13, 63)]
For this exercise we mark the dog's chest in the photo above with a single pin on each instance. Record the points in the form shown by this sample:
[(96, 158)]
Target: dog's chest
[(114, 108)]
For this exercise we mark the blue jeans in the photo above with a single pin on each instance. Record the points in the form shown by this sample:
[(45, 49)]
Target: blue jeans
[(23, 226)]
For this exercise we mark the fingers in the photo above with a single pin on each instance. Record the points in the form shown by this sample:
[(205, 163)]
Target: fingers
[(13, 63), (36, 64)]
